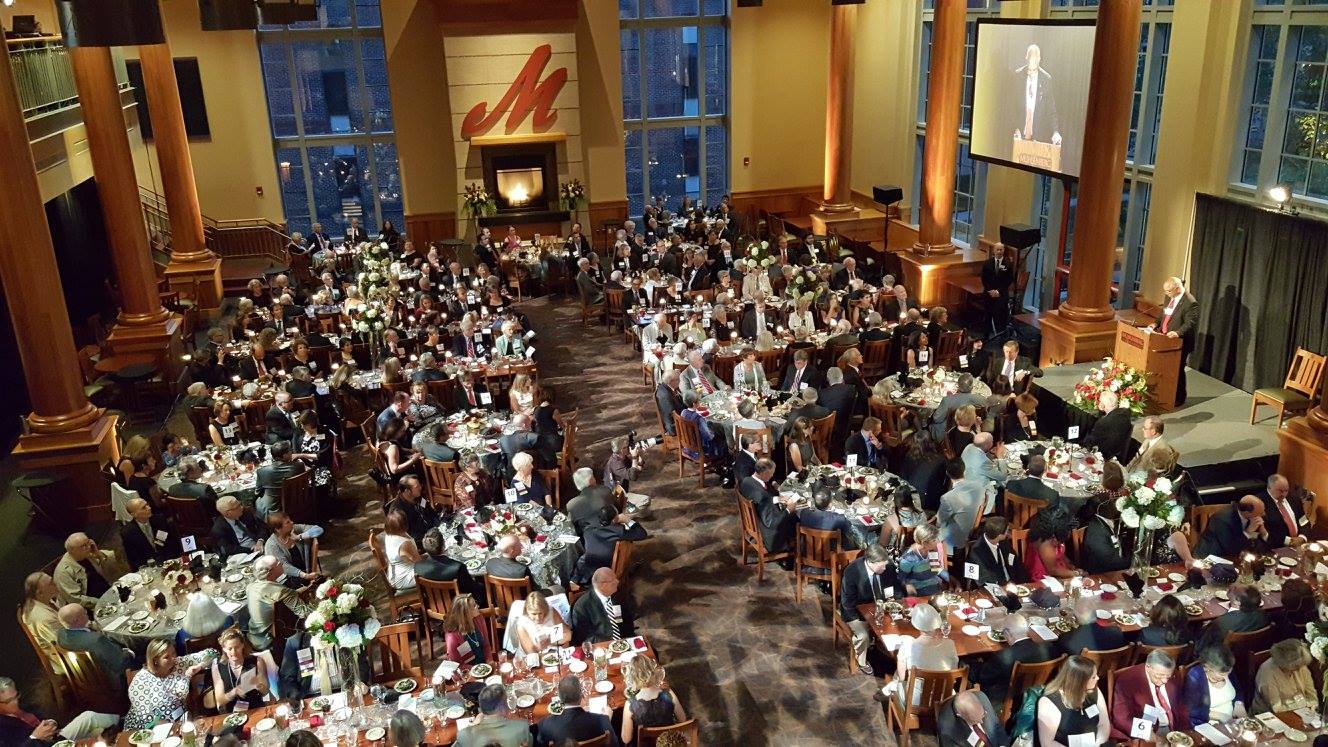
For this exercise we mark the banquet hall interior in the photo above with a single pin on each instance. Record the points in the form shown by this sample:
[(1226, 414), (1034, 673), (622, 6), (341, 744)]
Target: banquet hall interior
[(664, 372)]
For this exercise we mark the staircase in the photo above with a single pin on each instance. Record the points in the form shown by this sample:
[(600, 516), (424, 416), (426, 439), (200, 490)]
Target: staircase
[(245, 243)]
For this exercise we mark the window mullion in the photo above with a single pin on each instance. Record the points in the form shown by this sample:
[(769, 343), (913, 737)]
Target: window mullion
[(1279, 104)]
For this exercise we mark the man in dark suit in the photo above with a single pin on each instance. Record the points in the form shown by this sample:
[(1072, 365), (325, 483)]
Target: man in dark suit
[(1151, 687), (778, 523), (969, 719), (1102, 551), (468, 395), (190, 470), (464, 344), (434, 565), (505, 564), (696, 277), (819, 516), (759, 319), (257, 363), (1283, 517), (420, 516), (602, 536), (146, 537), (800, 373), (237, 530), (896, 307), (271, 476), (993, 675), (1010, 372), (866, 444), (280, 419), (76, 635), (301, 383), (872, 577), (1090, 635), (839, 398), (1234, 530), (1248, 614), (1032, 486), (575, 723), (668, 400), (585, 506), (1111, 433), (396, 410), (1037, 118), (603, 614), (1180, 319), (846, 275), (874, 331), (997, 277), (994, 555), (591, 292)]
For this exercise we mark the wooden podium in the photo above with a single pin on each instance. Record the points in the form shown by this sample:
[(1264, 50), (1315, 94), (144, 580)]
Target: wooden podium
[(1157, 355), (1033, 153)]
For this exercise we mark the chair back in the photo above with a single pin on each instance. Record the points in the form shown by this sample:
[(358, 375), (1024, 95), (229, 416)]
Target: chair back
[(930, 689), (1199, 518), (689, 436), (770, 360), (823, 430), (892, 420), (950, 347), (390, 655), (615, 304), (1306, 373), (567, 457), (90, 687), (199, 417), (379, 554), (759, 437), (1256, 660), (600, 741), (369, 430), (255, 417), (50, 659), (748, 523), (622, 558), (1077, 544), (817, 548), (1019, 542), (191, 516), (442, 390), (553, 482), (1176, 652), (1026, 675), (875, 358), (297, 498), (1243, 645), (438, 480), (647, 736), (1020, 510), (504, 591), (436, 597), (723, 367), (1109, 660)]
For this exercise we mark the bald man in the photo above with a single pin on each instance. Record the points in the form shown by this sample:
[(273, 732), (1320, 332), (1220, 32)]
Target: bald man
[(145, 536), (968, 716), (84, 572), (1180, 319), (1235, 529), (77, 635), (603, 614)]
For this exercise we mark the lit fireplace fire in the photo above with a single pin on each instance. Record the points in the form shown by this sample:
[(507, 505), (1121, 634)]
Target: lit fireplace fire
[(520, 187)]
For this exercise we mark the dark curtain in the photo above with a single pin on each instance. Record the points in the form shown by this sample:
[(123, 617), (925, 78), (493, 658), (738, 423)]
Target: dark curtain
[(1261, 280)]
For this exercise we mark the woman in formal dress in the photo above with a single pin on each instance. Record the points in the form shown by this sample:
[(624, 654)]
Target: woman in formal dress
[(539, 627), (397, 459), (223, 429), (1017, 418), (801, 322), (924, 469), (748, 374), (473, 486), (545, 416), (965, 428), (755, 282), (801, 451), (390, 236), (654, 704), (160, 688), (521, 395), (238, 676), (1045, 555), (464, 637), (346, 352), (256, 294), (1072, 708), (1168, 625), (929, 651), (919, 351), (302, 356), (529, 486), (400, 551), (1210, 693)]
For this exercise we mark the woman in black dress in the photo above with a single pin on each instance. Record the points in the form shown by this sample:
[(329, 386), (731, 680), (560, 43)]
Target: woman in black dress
[(654, 703), (1168, 625), (238, 675), (1072, 707), (224, 428)]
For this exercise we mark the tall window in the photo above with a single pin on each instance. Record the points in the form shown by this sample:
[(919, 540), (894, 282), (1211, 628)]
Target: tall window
[(675, 70), (331, 117), (1283, 137), (970, 175)]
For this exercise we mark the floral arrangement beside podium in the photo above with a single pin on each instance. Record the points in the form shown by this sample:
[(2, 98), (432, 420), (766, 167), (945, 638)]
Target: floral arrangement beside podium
[(1129, 384), (339, 627)]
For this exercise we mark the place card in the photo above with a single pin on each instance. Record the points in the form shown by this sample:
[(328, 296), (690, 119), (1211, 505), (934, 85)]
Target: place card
[(1043, 632), (570, 539), (1053, 584), (598, 704), (117, 622), (1213, 734), (446, 669)]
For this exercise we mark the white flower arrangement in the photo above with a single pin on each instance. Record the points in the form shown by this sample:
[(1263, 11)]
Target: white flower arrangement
[(1149, 503), (341, 617)]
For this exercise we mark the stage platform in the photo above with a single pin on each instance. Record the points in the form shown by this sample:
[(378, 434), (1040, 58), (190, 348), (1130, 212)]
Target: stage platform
[(1212, 430)]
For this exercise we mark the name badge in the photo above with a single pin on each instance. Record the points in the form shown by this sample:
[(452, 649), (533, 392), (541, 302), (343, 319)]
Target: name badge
[(306, 659), (973, 738), (161, 535), (963, 360), (1152, 713), (889, 591), (470, 488), (1032, 427), (530, 353), (923, 356), (1091, 711)]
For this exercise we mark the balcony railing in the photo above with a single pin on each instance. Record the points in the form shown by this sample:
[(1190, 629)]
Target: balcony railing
[(43, 76)]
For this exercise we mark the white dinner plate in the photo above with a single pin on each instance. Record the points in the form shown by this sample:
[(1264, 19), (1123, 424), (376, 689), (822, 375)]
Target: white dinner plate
[(604, 686), (577, 666), (983, 603), (1177, 577), (140, 615), (1109, 588), (971, 630)]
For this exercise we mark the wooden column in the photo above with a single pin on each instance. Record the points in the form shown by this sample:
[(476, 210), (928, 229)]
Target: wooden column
[(143, 325), (1083, 328), (66, 434), (945, 82), (193, 268), (836, 196)]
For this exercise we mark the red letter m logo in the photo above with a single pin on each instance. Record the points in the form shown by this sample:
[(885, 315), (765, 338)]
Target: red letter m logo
[(526, 94)]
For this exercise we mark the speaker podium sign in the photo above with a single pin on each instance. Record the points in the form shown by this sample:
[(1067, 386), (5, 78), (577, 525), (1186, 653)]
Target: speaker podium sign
[(1046, 156)]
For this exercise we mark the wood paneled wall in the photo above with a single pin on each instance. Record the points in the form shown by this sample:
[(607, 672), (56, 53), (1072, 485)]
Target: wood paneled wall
[(425, 227)]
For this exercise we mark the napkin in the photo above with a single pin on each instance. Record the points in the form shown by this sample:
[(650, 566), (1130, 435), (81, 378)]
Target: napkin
[(228, 606), (462, 723), (117, 622), (570, 539), (161, 731), (597, 704), (1043, 631), (892, 641), (446, 669), (1213, 734), (1053, 584)]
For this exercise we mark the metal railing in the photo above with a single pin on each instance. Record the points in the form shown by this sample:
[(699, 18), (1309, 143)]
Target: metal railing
[(43, 75), (228, 239)]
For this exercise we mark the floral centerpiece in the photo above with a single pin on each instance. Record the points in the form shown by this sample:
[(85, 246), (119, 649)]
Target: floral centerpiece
[(804, 282), (1148, 505), (476, 202), (1129, 384), (341, 622), (1316, 635), (759, 253), (572, 194)]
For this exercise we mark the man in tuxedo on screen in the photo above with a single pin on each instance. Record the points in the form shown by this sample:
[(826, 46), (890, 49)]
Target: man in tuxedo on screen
[(1038, 119), (1180, 319)]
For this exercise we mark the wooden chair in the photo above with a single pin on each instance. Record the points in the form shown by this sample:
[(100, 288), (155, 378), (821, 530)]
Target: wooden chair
[(669, 442), (621, 564), (297, 498), (1026, 675), (1244, 645), (89, 687), (903, 717), (875, 359), (1109, 660), (397, 599), (1298, 392), (435, 601), (1077, 544), (369, 430), (751, 538), (1021, 510), (199, 418), (615, 307), (1019, 542), (502, 592), (816, 549), (600, 741), (1256, 660), (823, 430), (50, 660), (839, 628), (389, 653), (442, 390), (1177, 652), (1199, 518), (691, 448), (647, 736), (953, 343), (589, 312), (255, 418), (191, 516), (438, 479), (553, 479)]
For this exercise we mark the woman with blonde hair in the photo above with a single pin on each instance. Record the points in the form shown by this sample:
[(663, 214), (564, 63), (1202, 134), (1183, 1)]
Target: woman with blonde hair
[(238, 675), (392, 371), (1071, 706), (801, 322), (539, 626), (160, 689), (654, 703), (522, 395), (965, 428), (466, 641), (136, 450), (40, 613)]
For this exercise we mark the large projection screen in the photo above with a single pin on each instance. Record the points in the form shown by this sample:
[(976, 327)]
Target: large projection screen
[(1030, 94)]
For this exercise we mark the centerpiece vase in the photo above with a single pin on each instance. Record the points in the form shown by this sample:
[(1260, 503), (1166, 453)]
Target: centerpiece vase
[(348, 659), (1141, 563)]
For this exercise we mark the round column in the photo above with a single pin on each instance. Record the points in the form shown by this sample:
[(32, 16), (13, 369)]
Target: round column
[(837, 195), (940, 148)]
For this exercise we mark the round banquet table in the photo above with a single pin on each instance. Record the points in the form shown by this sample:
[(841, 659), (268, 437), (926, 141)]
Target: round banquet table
[(552, 561), (1072, 470), (225, 475), (862, 495), (720, 410), (133, 624), (936, 384)]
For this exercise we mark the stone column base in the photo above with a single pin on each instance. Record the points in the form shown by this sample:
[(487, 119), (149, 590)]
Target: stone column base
[(927, 278), (200, 281), (161, 341), (1065, 341), (81, 496)]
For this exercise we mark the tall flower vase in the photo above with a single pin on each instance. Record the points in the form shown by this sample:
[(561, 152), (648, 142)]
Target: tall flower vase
[(1142, 561), (348, 659), (337, 668)]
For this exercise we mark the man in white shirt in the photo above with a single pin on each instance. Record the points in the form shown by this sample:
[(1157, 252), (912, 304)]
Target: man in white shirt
[(1038, 118)]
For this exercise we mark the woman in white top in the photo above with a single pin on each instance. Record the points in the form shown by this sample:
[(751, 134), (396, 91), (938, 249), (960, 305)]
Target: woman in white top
[(755, 283), (1213, 686), (521, 396), (540, 626), (1071, 708), (801, 323), (928, 652), (400, 551)]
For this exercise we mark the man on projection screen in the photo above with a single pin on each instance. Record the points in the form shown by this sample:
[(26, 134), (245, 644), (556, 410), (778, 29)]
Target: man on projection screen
[(1037, 117)]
